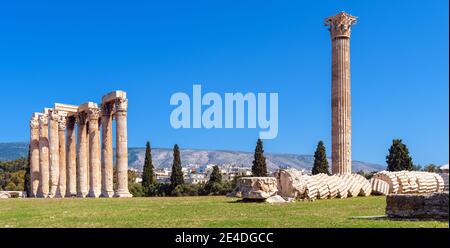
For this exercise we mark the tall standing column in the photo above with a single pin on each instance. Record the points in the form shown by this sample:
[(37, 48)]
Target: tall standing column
[(43, 157), (82, 162), (71, 158), (54, 154), (94, 152), (34, 156), (122, 148), (340, 27), (107, 151), (62, 156)]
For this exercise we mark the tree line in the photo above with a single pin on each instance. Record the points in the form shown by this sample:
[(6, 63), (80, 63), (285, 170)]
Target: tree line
[(14, 175)]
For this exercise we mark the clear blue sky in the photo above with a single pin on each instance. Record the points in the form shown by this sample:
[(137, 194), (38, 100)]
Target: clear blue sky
[(75, 51)]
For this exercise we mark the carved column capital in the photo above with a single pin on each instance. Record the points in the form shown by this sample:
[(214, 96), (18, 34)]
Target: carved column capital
[(93, 114), (43, 120), (62, 123), (34, 122), (121, 104), (54, 116), (340, 25)]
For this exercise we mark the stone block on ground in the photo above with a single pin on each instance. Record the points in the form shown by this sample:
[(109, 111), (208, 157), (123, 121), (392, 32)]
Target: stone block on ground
[(256, 187), (276, 199), (427, 206), (291, 183)]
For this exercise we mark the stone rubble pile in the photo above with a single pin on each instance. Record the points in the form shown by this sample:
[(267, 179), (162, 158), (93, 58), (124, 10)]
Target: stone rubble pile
[(292, 183), (256, 188), (288, 185), (409, 182)]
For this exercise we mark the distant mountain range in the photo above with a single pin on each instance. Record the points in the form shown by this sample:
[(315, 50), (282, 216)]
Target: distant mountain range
[(162, 158)]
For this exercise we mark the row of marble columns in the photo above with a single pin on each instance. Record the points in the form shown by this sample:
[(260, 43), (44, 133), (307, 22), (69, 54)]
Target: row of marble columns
[(71, 149)]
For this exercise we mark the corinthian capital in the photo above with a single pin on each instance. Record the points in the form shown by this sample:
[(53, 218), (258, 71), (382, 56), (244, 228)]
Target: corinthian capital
[(121, 104), (62, 121), (93, 113), (43, 120), (340, 24), (34, 122)]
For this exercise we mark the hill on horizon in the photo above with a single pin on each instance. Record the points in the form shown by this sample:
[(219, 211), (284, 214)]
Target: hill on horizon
[(162, 158)]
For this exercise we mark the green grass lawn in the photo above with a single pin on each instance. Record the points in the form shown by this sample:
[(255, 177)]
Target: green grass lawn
[(196, 212)]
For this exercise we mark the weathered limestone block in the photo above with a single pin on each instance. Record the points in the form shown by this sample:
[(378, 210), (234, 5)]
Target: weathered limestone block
[(363, 184), (4, 195), (291, 183), (389, 178), (353, 186), (445, 178), (379, 187), (440, 182), (434, 205), (276, 199), (312, 190), (333, 183), (342, 188), (412, 180), (403, 182), (426, 182), (256, 187), (322, 186), (406, 182)]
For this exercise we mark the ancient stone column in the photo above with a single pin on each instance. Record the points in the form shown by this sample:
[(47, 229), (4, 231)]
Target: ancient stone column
[(44, 178), (122, 148), (54, 154), (94, 152), (82, 162), (107, 151), (71, 158), (340, 27), (61, 192), (34, 155)]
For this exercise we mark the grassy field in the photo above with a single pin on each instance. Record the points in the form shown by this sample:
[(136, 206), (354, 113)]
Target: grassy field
[(196, 212)]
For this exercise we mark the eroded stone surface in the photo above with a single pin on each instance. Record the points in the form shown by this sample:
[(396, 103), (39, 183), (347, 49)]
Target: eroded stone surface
[(434, 206), (256, 187)]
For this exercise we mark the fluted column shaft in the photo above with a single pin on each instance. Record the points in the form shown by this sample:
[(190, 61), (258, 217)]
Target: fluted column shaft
[(54, 154), (107, 151), (82, 161), (340, 28), (94, 152), (122, 148), (34, 156), (43, 157), (62, 157), (341, 107), (71, 158)]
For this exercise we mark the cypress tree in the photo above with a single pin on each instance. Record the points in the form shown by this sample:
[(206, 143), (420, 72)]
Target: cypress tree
[(259, 168), (147, 174), (216, 176), (27, 179), (177, 174), (214, 185), (320, 160), (398, 158)]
